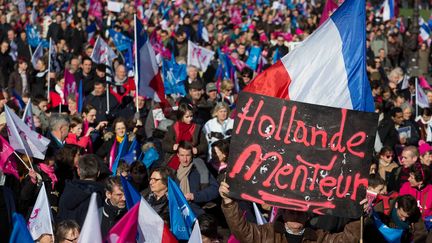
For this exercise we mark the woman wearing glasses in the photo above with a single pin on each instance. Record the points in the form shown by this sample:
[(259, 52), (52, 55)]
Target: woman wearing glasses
[(385, 163)]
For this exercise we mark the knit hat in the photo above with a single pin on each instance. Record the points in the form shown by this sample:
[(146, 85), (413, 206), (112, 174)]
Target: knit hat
[(424, 147)]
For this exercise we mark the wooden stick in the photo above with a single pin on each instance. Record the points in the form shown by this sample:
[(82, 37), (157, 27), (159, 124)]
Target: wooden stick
[(28, 157), (361, 229), (24, 163)]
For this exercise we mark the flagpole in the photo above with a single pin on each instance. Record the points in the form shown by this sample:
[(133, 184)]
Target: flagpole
[(416, 97), (49, 69), (24, 163), (136, 78), (361, 229)]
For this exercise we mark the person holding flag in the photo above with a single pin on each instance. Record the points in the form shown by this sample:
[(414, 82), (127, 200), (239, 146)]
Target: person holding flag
[(114, 205)]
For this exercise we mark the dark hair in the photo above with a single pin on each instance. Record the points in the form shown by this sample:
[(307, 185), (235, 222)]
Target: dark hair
[(118, 120), (222, 145), (208, 226), (185, 145), (426, 112), (385, 150), (395, 110), (63, 227), (39, 98), (182, 109), (88, 108), (66, 154), (421, 173), (87, 59), (376, 180), (111, 182), (88, 166), (164, 172), (75, 121), (137, 165), (408, 204)]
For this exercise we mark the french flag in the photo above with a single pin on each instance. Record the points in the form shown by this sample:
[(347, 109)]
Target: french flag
[(388, 10), (148, 79), (328, 68)]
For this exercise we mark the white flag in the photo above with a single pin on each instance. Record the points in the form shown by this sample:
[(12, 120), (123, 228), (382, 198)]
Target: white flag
[(199, 57), (90, 231), (196, 234), (40, 221), (37, 54), (102, 53), (23, 139), (28, 116), (422, 99), (259, 218)]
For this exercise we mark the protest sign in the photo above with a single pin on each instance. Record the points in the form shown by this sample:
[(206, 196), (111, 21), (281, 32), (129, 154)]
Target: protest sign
[(300, 156)]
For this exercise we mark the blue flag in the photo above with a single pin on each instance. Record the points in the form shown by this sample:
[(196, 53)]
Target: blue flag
[(121, 41), (391, 235), (80, 97), (33, 38), (276, 56), (182, 217), (20, 102), (20, 233), (129, 61), (133, 152), (120, 153), (173, 76), (150, 156), (131, 195), (254, 55)]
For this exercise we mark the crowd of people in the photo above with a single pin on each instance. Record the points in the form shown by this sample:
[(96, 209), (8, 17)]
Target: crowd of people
[(192, 138)]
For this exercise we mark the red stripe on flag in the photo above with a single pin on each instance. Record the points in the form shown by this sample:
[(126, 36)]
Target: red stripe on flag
[(274, 82)]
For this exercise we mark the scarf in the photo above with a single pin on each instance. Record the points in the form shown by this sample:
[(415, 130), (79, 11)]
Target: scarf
[(119, 139), (49, 170), (182, 176), (396, 220), (185, 132)]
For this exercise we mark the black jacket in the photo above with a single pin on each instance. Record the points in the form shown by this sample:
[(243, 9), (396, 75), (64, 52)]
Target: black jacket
[(75, 200), (110, 216), (100, 103)]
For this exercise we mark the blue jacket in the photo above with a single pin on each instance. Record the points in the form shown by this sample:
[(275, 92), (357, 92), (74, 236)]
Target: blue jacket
[(203, 193)]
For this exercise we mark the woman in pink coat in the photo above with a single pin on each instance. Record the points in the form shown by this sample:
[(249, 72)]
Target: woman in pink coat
[(418, 185)]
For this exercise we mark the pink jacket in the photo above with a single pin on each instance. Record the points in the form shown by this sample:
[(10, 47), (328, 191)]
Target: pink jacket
[(423, 196)]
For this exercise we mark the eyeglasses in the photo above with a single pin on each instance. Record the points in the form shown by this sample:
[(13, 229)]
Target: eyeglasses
[(155, 179), (388, 156)]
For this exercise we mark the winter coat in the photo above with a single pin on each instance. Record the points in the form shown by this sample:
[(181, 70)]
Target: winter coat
[(75, 200), (100, 103), (275, 232), (16, 83), (110, 216), (423, 196), (83, 142), (160, 206)]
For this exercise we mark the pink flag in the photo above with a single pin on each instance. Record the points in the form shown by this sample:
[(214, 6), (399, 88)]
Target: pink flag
[(5, 152), (126, 229), (238, 63), (112, 154), (329, 8), (423, 83), (70, 86), (95, 9)]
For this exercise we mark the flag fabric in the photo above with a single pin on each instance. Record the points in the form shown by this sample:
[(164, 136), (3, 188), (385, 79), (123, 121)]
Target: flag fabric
[(148, 79), (258, 215), (133, 153), (335, 61), (40, 221), (198, 56), (95, 9), (276, 55), (239, 64), (391, 235), (23, 139), (121, 41), (202, 32), (131, 195), (254, 55), (126, 229), (196, 234), (27, 117), (70, 86), (129, 61), (173, 75), (18, 100), (54, 65), (102, 53), (151, 227), (388, 10), (421, 98), (329, 7), (37, 54), (150, 156), (90, 231), (20, 233), (425, 30), (123, 147), (6, 151), (80, 97), (33, 38), (182, 217)]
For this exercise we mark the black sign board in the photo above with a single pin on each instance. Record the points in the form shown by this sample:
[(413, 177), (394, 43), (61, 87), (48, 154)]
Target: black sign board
[(300, 156)]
